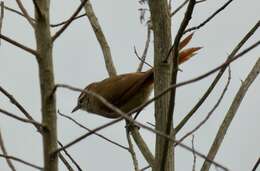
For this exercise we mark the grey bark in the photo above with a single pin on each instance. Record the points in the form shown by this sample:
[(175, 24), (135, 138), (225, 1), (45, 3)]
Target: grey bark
[(161, 24), (46, 78)]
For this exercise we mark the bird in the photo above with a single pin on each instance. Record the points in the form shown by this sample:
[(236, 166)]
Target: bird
[(125, 91)]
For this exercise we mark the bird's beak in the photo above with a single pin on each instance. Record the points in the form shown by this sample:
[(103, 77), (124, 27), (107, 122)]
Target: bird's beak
[(75, 108)]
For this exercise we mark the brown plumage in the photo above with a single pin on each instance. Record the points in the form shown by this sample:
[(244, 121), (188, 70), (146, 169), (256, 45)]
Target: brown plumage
[(126, 91)]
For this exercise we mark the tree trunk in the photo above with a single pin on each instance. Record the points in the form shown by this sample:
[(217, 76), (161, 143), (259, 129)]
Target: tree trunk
[(161, 25), (46, 76)]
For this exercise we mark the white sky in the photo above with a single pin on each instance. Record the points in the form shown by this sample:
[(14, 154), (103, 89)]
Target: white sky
[(78, 61)]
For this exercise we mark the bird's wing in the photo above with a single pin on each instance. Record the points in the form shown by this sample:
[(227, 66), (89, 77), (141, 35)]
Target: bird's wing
[(118, 89)]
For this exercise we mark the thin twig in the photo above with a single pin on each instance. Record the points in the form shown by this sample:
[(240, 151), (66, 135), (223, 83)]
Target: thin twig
[(194, 155), (97, 134), (25, 13), (17, 12), (142, 61), (20, 107), (2, 145), (182, 5), (20, 119), (70, 157), (13, 10), (1, 17), (231, 113), (211, 111), (179, 8), (209, 18), (22, 161), (65, 162), (256, 164), (170, 5), (64, 27), (15, 43), (184, 24), (64, 22), (143, 169), (123, 116), (146, 47), (131, 148)]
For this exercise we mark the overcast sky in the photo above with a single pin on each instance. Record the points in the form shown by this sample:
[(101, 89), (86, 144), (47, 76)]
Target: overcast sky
[(78, 61)]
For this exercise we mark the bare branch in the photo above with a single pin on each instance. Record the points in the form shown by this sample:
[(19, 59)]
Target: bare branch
[(1, 17), (129, 119), (97, 134), (100, 37), (87, 134), (256, 164), (15, 43), (64, 22), (64, 27), (209, 18), (2, 145), (21, 161), (143, 169), (20, 119), (131, 148), (24, 111), (70, 157), (142, 61), (194, 155), (36, 6), (200, 1), (219, 75), (146, 47), (25, 13), (65, 162), (179, 8), (20, 107), (17, 12), (211, 111), (184, 24), (231, 114), (13, 10), (141, 144)]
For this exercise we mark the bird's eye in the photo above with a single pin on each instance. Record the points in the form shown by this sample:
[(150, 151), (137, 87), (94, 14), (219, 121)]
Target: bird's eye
[(80, 100)]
